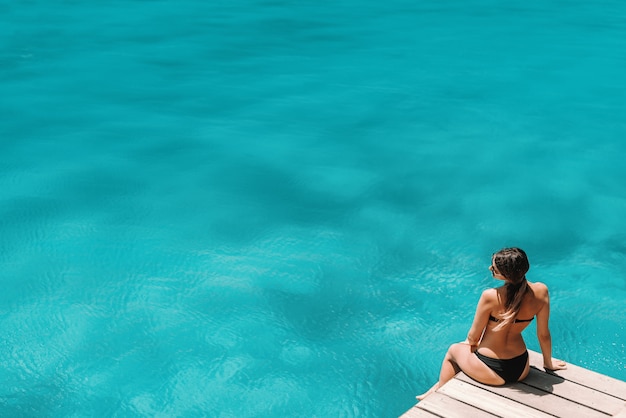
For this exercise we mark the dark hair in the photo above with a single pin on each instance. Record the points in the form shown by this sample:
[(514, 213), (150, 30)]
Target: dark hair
[(513, 264)]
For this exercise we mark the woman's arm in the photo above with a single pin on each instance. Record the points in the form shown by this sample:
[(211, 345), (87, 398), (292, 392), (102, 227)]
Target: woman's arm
[(543, 332), (481, 317)]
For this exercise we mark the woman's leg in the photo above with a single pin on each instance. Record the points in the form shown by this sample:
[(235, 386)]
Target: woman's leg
[(460, 357)]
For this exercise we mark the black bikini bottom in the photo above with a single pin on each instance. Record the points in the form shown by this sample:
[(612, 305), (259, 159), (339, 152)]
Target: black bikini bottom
[(508, 369)]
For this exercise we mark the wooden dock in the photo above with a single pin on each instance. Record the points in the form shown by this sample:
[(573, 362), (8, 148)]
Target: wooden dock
[(572, 393)]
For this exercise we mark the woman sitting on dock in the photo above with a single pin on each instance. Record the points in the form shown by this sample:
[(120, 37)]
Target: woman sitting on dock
[(494, 352)]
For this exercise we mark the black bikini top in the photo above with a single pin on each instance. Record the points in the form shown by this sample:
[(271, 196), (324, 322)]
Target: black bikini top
[(494, 319)]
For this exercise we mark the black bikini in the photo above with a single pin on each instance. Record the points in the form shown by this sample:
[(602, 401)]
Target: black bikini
[(508, 369), (494, 319)]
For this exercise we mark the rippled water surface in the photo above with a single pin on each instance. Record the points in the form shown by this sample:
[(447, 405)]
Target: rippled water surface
[(267, 208)]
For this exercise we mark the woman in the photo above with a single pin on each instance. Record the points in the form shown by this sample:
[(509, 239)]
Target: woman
[(494, 352)]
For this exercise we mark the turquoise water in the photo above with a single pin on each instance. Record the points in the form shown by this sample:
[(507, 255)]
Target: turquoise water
[(266, 208)]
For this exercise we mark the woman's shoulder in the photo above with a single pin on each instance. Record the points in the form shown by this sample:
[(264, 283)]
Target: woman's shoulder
[(489, 298), (538, 286), (490, 294), (540, 290)]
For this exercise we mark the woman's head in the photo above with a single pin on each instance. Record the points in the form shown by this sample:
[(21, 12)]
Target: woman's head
[(512, 263)]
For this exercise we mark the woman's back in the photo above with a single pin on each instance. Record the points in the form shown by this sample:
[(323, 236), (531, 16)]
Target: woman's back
[(507, 342)]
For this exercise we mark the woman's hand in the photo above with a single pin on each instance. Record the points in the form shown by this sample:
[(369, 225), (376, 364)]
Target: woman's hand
[(555, 365)]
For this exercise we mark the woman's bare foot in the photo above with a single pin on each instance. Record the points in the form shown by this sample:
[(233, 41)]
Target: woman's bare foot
[(425, 394)]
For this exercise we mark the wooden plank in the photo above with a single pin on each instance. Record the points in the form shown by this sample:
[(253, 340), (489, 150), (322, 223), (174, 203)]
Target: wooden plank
[(574, 392), (486, 400), (535, 398), (585, 377), (416, 412), (621, 414), (445, 406)]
